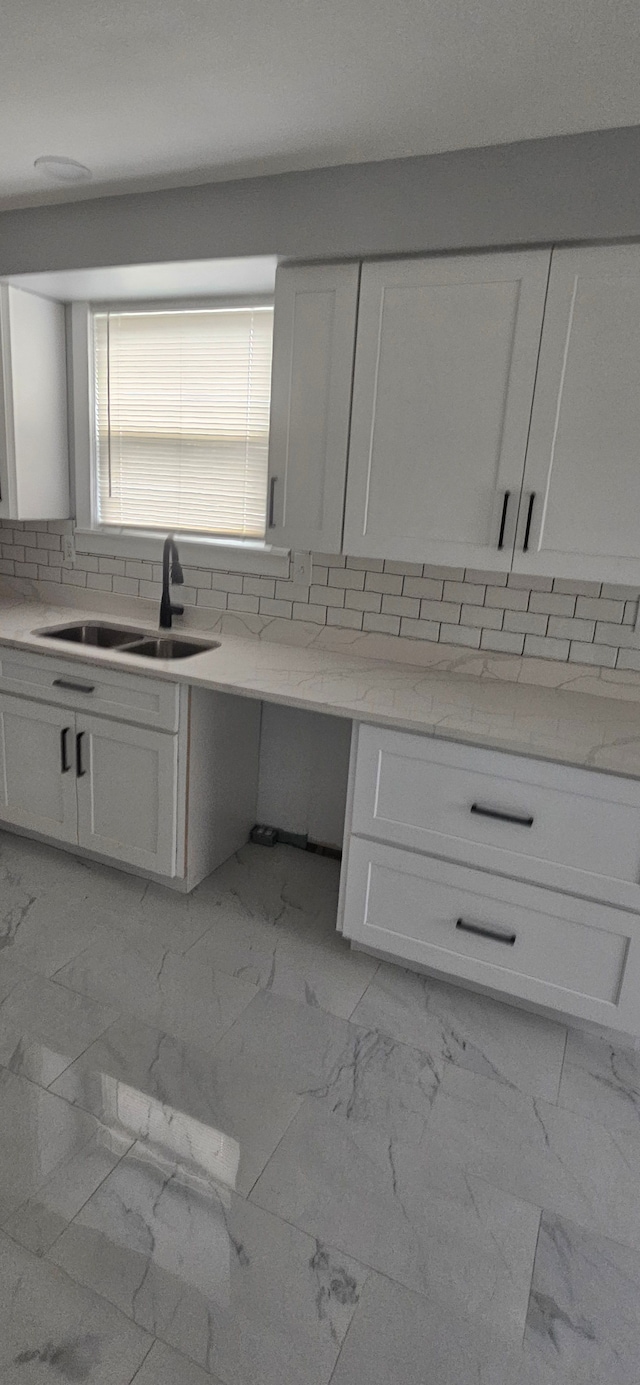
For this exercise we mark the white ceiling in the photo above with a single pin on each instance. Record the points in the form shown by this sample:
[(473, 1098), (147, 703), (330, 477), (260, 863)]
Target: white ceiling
[(160, 92), (185, 279)]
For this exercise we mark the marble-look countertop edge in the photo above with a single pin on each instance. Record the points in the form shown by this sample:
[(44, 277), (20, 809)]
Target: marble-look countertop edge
[(568, 727)]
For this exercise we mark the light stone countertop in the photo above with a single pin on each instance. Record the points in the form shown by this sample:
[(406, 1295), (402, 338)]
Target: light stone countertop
[(571, 714)]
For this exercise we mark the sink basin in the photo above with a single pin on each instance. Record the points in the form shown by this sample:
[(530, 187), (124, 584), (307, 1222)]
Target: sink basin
[(100, 636), (129, 641), (171, 647)]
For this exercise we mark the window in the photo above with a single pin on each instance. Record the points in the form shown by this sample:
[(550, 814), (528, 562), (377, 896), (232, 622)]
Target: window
[(181, 401)]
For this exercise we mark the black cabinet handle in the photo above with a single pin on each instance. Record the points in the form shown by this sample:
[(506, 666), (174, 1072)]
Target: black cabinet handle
[(73, 687), (503, 521), (525, 546), (496, 934), (64, 763), (80, 771), (520, 819), (272, 501)]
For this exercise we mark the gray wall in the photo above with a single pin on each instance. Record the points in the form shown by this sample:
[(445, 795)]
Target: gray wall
[(576, 187)]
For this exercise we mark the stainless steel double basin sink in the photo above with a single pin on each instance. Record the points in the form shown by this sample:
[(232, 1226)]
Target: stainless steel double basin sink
[(128, 641)]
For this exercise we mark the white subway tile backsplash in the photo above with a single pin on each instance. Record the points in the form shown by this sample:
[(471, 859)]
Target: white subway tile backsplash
[(346, 577), (509, 598), (569, 628), (363, 601), (575, 621), (602, 655), (525, 623), (388, 583), (351, 620), (482, 617), (440, 610), (401, 606), (594, 608), (542, 647), (428, 587), (419, 629), (460, 634), (552, 603), (502, 641), (384, 625), (464, 591), (302, 610)]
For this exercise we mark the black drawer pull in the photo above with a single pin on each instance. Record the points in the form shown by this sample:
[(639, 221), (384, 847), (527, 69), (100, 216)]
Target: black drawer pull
[(527, 532), (64, 763), (483, 932), (520, 819), (73, 687), (503, 520), (80, 771)]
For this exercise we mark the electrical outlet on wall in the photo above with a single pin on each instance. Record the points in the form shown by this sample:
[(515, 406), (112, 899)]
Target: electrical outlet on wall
[(301, 568), (68, 550)]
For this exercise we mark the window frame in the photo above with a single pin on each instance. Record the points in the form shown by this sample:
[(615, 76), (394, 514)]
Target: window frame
[(241, 555)]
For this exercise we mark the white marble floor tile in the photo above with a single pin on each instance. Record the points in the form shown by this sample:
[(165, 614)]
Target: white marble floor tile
[(164, 1366), (38, 1133), (298, 1046), (10, 974), (421, 1221), (219, 1116), (584, 1315), (48, 933), (52, 1331), (243, 1294), (33, 870), (400, 1338), (601, 1080), (455, 1025), (43, 1027), (273, 923), (536, 1151), (39, 1221), (182, 996)]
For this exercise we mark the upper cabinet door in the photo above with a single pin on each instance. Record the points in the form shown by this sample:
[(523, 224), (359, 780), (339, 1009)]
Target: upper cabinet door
[(445, 369), (34, 453), (314, 339), (581, 497)]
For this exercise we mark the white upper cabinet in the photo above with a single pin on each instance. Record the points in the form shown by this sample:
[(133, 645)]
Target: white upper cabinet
[(444, 376), (581, 497), (314, 337), (34, 455)]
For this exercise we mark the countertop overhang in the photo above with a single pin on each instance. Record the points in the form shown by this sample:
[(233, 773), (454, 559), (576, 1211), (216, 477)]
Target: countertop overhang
[(589, 729)]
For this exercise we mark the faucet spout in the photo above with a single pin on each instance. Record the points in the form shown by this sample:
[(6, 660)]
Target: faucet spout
[(171, 572)]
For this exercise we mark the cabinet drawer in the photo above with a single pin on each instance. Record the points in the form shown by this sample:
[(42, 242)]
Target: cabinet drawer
[(127, 696), (568, 828), (529, 942)]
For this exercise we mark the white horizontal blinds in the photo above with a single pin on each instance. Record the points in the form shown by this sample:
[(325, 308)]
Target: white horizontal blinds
[(182, 419)]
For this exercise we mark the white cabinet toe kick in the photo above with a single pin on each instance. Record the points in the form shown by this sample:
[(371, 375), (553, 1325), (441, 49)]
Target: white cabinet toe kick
[(516, 875)]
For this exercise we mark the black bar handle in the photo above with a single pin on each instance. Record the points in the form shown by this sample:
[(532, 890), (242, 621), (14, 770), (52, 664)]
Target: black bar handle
[(483, 932), (64, 763), (520, 819), (525, 546), (80, 771), (503, 521), (272, 501), (73, 687)]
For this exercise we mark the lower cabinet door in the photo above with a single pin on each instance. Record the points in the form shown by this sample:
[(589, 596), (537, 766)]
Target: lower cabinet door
[(543, 946), (127, 782), (37, 768)]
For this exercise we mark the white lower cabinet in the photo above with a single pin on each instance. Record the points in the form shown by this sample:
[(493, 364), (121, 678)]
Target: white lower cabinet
[(37, 782), (127, 786), (469, 863), (173, 803)]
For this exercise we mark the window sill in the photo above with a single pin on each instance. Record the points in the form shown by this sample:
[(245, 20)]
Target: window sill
[(223, 555)]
